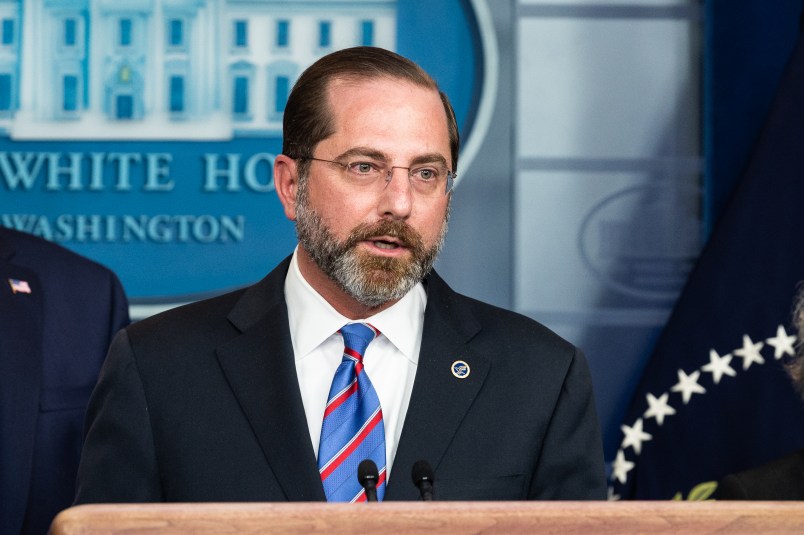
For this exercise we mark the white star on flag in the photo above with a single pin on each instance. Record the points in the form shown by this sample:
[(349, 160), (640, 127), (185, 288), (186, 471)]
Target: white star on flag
[(659, 408), (782, 343), (620, 468), (750, 352), (719, 366), (688, 385), (634, 436), (612, 497)]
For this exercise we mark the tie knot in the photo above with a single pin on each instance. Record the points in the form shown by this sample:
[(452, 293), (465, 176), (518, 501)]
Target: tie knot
[(357, 336)]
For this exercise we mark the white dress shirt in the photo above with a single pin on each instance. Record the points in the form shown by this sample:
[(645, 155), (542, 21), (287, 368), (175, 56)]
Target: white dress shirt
[(390, 360)]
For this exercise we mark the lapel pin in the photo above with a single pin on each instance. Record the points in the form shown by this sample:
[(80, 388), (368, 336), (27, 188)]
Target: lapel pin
[(460, 369), (19, 287)]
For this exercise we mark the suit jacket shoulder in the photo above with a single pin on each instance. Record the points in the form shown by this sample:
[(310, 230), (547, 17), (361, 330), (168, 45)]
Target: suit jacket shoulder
[(781, 479), (500, 321)]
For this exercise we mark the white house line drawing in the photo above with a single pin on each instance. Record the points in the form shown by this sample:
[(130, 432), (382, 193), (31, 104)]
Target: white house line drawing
[(168, 69)]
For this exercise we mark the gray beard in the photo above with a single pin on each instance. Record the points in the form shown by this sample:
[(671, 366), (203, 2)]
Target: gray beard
[(371, 280)]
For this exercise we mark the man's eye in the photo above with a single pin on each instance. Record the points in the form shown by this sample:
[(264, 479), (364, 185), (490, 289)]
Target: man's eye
[(426, 173), (362, 168)]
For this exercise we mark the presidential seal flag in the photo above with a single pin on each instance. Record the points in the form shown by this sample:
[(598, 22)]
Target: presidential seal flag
[(714, 397)]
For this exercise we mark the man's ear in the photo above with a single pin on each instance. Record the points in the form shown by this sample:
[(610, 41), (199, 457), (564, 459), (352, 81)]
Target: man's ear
[(286, 182)]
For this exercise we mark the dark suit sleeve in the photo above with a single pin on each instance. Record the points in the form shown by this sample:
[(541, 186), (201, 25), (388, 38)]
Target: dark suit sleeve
[(118, 462), (570, 466)]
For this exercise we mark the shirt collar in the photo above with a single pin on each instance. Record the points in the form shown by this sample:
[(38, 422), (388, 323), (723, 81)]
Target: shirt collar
[(312, 319)]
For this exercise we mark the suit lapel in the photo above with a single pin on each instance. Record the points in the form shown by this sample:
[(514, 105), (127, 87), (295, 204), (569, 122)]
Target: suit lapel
[(439, 400), (20, 382), (259, 366)]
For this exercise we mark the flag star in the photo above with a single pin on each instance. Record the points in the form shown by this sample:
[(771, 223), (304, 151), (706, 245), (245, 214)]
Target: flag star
[(719, 366), (634, 436), (688, 385), (611, 496), (659, 408), (620, 468), (750, 352), (782, 343)]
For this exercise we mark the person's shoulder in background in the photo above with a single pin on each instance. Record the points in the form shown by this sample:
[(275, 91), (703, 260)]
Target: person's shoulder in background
[(781, 479), (60, 312), (69, 282)]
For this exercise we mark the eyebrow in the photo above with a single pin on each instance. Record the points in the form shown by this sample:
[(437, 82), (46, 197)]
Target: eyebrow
[(363, 152), (374, 154), (433, 157)]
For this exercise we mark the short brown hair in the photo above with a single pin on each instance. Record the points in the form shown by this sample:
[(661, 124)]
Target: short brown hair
[(308, 120)]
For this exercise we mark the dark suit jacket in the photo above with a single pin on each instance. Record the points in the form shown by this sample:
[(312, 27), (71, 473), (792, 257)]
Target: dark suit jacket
[(782, 479), (202, 403), (52, 344)]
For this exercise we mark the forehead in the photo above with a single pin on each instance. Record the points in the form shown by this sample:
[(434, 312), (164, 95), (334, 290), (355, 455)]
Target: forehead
[(388, 114)]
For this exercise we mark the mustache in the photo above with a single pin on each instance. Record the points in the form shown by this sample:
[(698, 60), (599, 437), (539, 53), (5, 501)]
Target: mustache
[(399, 230)]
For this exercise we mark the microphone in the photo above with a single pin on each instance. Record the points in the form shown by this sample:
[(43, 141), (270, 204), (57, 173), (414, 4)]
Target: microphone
[(423, 478), (368, 475)]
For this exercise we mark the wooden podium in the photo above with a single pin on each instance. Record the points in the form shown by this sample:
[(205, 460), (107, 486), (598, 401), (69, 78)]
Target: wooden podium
[(587, 518)]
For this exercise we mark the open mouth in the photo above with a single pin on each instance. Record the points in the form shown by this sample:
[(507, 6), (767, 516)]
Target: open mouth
[(386, 238), (385, 243), (382, 244)]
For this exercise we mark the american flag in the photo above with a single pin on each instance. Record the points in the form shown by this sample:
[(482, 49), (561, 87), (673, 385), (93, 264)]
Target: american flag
[(19, 287), (714, 398)]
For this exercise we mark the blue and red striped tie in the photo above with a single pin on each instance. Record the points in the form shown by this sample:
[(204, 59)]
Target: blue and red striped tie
[(352, 430)]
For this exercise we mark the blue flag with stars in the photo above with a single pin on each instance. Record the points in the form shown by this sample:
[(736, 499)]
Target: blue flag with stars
[(714, 398)]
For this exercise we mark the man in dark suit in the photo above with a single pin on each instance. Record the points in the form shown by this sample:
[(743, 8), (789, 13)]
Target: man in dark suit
[(264, 394), (58, 314)]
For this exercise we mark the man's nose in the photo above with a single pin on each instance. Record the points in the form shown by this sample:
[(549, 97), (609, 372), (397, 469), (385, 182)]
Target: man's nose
[(397, 196)]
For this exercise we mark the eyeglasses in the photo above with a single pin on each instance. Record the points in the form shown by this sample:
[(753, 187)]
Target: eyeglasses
[(374, 176)]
